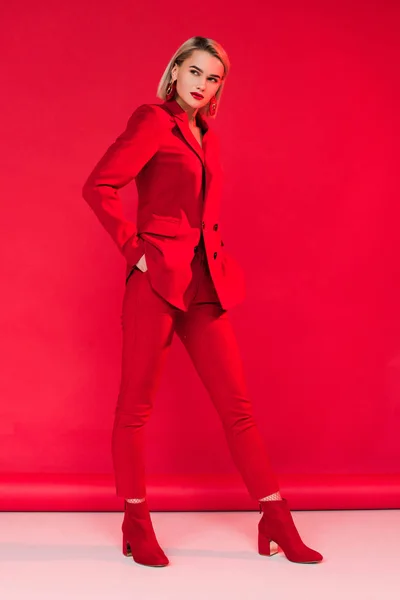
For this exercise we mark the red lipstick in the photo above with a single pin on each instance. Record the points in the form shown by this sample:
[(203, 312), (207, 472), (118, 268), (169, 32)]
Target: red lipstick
[(197, 96)]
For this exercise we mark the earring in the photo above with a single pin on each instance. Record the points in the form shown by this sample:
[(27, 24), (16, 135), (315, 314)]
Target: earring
[(171, 89), (212, 107)]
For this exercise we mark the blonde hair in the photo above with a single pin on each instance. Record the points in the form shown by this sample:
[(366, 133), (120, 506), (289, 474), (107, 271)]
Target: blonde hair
[(183, 52)]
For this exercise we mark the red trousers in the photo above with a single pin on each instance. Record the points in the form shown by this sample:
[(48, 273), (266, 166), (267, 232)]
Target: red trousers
[(148, 325)]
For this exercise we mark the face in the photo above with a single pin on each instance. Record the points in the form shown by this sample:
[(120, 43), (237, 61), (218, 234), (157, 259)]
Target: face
[(201, 73)]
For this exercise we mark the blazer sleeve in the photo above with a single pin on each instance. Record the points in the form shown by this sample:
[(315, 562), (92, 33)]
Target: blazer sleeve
[(118, 166)]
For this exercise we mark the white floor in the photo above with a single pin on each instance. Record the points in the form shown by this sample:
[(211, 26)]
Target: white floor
[(61, 556)]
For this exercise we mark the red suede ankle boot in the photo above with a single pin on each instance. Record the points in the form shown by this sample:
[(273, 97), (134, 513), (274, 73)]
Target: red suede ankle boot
[(139, 539), (277, 525)]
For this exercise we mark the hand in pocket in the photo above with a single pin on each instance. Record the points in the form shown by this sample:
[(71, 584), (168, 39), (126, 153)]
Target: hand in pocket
[(141, 264)]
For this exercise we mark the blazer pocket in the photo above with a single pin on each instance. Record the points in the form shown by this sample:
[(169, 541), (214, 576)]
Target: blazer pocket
[(131, 272), (161, 225)]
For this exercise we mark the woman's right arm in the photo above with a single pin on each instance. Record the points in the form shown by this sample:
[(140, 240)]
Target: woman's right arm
[(119, 165)]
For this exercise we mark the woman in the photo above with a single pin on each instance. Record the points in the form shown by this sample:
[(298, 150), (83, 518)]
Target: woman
[(180, 278)]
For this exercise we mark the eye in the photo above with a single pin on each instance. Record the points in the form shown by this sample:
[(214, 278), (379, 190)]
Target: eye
[(196, 73)]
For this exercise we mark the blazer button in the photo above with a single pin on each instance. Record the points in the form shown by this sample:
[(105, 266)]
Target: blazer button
[(222, 243), (215, 227), (215, 254), (203, 225)]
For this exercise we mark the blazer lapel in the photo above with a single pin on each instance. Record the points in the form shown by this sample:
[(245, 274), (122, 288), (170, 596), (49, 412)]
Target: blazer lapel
[(208, 154), (181, 119)]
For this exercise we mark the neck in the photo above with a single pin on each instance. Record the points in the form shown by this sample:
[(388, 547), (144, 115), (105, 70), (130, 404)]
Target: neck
[(191, 112)]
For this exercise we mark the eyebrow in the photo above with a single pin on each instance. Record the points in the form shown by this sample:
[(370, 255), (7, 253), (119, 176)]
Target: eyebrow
[(201, 71)]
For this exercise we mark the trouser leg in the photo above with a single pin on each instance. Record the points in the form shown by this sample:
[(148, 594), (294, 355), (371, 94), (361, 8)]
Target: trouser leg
[(147, 331), (208, 336)]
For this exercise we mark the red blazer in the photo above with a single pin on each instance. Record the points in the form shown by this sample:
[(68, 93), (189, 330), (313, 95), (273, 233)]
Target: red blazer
[(179, 190)]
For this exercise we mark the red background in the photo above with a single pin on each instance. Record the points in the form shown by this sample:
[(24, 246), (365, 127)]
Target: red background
[(309, 131)]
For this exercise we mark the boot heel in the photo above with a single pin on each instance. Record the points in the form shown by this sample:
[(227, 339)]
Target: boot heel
[(266, 547), (126, 549)]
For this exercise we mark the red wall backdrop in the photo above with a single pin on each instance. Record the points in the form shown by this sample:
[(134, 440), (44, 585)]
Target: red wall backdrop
[(309, 128)]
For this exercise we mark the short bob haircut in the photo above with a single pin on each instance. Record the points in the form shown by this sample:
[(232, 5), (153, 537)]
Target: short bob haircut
[(187, 48)]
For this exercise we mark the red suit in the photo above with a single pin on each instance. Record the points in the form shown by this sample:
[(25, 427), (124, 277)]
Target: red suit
[(190, 283), (179, 190)]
